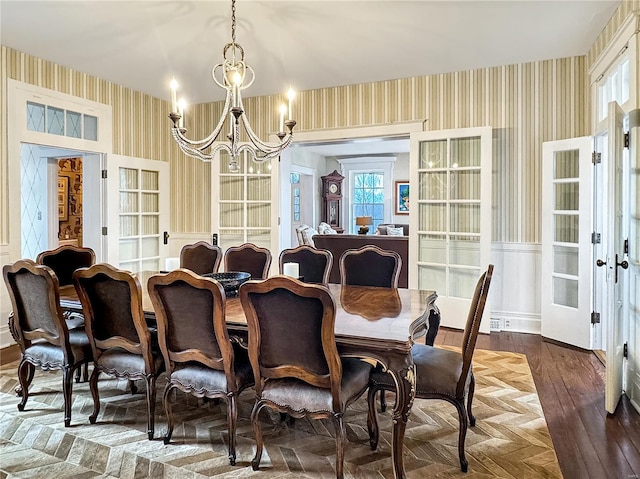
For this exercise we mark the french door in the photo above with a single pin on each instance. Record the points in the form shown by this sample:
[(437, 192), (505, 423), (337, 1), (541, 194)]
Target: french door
[(450, 198), (567, 263), (244, 205), (138, 212)]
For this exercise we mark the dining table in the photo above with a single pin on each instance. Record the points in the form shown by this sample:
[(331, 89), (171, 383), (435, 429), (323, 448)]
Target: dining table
[(374, 323)]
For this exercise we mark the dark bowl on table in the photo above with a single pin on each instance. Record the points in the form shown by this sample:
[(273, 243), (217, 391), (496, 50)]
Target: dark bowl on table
[(230, 281)]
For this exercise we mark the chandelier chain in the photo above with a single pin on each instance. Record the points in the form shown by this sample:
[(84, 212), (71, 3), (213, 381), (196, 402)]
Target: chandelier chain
[(233, 21)]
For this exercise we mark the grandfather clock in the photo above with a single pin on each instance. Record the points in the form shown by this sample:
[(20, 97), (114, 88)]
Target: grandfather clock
[(332, 200)]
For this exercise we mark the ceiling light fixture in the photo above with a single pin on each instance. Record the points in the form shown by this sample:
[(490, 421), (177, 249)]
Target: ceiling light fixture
[(232, 76)]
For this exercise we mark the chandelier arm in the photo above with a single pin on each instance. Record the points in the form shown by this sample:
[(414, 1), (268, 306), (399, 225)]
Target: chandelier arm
[(205, 142), (194, 153), (261, 145)]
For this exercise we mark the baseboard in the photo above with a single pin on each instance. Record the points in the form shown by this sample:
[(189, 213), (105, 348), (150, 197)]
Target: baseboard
[(515, 322)]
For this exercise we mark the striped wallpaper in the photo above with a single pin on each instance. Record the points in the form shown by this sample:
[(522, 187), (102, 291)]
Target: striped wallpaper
[(626, 8), (526, 104)]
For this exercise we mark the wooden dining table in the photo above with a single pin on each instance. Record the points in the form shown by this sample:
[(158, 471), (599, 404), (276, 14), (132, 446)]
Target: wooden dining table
[(374, 323)]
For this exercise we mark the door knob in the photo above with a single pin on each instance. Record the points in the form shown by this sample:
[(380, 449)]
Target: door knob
[(600, 263), (623, 264)]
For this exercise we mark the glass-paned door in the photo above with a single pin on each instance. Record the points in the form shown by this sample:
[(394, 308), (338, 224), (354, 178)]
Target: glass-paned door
[(140, 214), (244, 205), (451, 216), (566, 241)]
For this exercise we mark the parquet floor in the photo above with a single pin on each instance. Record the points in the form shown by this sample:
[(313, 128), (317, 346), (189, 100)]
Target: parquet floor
[(510, 440)]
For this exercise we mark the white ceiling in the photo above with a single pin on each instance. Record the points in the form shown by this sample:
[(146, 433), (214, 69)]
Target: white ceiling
[(306, 43)]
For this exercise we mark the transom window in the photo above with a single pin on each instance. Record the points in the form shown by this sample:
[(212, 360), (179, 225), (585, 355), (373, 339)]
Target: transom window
[(613, 87), (58, 121)]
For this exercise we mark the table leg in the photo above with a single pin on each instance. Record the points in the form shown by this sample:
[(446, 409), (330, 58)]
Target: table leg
[(403, 371)]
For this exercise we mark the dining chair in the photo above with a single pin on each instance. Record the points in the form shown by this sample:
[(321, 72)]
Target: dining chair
[(248, 258), (370, 266), (441, 373), (38, 326), (314, 264), (201, 360), (122, 344), (201, 257), (294, 356), (64, 260)]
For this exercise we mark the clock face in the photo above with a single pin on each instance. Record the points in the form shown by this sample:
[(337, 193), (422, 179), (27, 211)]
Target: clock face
[(333, 188)]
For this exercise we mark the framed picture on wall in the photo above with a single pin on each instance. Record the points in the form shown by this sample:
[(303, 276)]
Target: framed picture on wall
[(402, 198), (63, 198)]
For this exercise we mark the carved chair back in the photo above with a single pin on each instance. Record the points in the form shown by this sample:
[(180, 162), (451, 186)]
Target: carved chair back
[(201, 257), (315, 264), (65, 259), (112, 306), (248, 258), (370, 266), (299, 344)]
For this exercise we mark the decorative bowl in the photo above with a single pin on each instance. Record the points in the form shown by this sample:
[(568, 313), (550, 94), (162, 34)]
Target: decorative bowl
[(230, 281)]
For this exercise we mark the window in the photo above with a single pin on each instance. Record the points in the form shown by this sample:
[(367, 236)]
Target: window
[(613, 87), (57, 121), (368, 198), (368, 190), (295, 180)]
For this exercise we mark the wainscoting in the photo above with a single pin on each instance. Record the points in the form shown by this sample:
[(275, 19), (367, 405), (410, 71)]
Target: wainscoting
[(515, 288)]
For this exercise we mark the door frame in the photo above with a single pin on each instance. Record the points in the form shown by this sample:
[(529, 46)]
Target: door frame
[(337, 135), (18, 94)]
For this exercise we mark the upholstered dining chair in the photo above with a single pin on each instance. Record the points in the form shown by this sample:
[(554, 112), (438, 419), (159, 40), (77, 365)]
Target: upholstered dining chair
[(38, 326), (298, 373), (314, 264), (248, 258), (122, 344), (201, 359), (370, 266), (64, 260), (201, 257), (442, 373)]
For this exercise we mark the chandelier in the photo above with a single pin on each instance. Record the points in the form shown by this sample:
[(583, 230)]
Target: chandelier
[(234, 75)]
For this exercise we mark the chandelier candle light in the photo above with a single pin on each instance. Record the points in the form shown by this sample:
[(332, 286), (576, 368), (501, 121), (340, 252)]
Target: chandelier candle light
[(234, 75)]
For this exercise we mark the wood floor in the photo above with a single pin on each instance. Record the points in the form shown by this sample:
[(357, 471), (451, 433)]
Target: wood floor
[(589, 443)]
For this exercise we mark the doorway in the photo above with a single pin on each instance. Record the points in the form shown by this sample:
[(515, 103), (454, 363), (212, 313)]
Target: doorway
[(60, 191)]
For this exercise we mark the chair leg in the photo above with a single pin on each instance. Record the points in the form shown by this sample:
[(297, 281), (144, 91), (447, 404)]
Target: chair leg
[(257, 432), (86, 372), (24, 373), (93, 386), (372, 419), (78, 372), (464, 422), (168, 410), (232, 416), (132, 386), (151, 405), (472, 388), (383, 401), (340, 436), (67, 388)]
